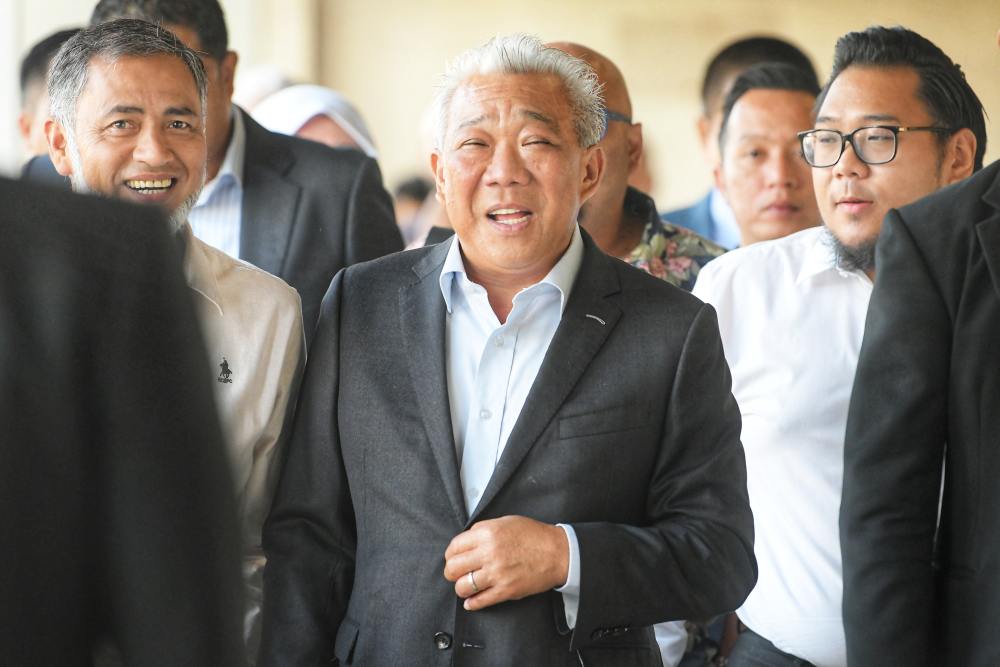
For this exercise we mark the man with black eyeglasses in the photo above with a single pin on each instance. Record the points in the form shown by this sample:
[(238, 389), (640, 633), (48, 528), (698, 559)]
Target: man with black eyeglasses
[(895, 122)]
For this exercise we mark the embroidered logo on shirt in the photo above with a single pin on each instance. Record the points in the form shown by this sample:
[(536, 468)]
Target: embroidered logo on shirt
[(224, 375)]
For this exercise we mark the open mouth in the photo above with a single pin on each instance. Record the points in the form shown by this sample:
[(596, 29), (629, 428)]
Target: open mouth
[(150, 187), (508, 216)]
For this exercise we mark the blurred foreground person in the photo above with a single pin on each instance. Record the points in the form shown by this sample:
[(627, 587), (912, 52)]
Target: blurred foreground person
[(116, 514)]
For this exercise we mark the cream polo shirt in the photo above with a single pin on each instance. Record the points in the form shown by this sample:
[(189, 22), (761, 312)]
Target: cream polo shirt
[(252, 325)]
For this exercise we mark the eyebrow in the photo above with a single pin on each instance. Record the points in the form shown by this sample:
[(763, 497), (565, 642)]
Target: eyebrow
[(874, 117), (170, 111), (534, 115)]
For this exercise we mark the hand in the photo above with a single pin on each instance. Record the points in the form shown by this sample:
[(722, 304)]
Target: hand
[(511, 557)]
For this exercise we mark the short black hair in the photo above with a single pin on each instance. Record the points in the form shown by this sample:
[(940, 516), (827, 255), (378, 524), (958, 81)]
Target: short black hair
[(35, 65), (204, 17), (770, 76), (741, 54), (943, 89)]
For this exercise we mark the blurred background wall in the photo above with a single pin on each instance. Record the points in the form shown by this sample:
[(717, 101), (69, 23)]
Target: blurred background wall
[(385, 55)]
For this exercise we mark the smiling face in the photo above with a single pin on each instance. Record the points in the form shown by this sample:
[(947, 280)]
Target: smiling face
[(854, 196), (512, 175), (763, 176), (138, 133)]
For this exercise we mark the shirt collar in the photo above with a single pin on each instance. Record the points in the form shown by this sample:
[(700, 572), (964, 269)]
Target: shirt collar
[(561, 276), (820, 257), (232, 165), (198, 269)]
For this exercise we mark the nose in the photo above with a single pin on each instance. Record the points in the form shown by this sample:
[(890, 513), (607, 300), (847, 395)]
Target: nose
[(850, 165), (507, 166), (151, 147), (783, 172)]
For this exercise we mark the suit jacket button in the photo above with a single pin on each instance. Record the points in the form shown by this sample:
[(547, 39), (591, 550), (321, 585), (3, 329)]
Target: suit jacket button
[(442, 640)]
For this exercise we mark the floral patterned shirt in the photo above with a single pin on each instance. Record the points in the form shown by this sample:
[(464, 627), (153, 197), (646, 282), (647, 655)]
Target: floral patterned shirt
[(671, 253)]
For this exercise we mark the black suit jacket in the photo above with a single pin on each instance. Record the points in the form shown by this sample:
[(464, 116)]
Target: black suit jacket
[(117, 517), (927, 400), (630, 434), (309, 211)]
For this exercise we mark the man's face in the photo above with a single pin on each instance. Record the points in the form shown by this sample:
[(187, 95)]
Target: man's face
[(763, 175), (221, 75), (512, 175), (854, 196), (138, 133)]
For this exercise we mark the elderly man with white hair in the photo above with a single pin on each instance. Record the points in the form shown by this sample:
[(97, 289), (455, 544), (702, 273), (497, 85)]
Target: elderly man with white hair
[(540, 457)]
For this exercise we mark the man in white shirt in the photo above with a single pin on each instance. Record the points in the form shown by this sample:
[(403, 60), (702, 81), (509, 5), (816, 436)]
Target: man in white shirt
[(792, 314), (128, 122), (539, 459)]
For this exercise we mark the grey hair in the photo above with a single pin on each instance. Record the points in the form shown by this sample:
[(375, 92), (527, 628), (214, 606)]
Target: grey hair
[(525, 54), (110, 41)]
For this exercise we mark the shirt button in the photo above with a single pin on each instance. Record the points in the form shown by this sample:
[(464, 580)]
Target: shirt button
[(498, 341), (485, 414), (442, 640)]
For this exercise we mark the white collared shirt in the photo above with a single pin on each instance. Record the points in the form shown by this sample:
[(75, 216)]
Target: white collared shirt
[(791, 324), (217, 216), (491, 368), (252, 326)]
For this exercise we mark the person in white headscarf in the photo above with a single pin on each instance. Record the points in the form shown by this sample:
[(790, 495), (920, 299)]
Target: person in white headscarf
[(316, 113)]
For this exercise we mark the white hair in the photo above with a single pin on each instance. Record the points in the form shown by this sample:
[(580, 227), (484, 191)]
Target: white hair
[(525, 54)]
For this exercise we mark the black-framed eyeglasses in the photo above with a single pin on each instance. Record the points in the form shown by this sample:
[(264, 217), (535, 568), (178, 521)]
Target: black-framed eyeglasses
[(873, 144), (614, 116)]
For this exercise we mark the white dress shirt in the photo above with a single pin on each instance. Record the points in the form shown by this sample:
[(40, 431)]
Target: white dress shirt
[(491, 367), (252, 325), (791, 324), (217, 216)]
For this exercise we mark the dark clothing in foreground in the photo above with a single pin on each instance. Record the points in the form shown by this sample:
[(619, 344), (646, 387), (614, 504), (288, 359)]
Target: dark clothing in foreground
[(927, 401), (117, 519)]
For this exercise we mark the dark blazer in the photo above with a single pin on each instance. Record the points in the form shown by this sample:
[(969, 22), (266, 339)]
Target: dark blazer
[(310, 210), (927, 396), (117, 516), (630, 434)]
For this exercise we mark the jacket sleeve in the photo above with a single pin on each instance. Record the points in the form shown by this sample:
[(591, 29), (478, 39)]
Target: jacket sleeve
[(699, 537), (310, 536), (893, 454), (370, 229)]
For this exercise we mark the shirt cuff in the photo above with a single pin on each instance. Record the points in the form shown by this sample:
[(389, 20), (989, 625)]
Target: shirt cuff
[(571, 589)]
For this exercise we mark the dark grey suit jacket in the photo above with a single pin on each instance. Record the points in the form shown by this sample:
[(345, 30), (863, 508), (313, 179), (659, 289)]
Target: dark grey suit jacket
[(117, 516), (309, 211), (629, 433), (927, 397)]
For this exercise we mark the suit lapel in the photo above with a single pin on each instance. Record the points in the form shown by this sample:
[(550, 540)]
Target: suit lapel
[(989, 233), (422, 314), (577, 340), (269, 200)]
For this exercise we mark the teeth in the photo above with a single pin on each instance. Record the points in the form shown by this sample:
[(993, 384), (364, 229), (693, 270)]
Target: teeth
[(505, 211), (513, 221), (149, 185)]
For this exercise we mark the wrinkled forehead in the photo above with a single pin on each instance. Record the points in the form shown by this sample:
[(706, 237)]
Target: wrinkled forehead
[(505, 99), (162, 77)]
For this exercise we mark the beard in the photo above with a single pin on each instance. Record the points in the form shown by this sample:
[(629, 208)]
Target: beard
[(177, 217), (858, 257)]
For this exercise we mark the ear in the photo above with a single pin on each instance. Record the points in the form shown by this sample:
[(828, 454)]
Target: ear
[(437, 167), (593, 170), (58, 149), (704, 126), (24, 121), (227, 71), (634, 138), (720, 180), (960, 156)]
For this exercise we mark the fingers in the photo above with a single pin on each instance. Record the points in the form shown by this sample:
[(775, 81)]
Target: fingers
[(458, 566), (464, 541)]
